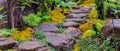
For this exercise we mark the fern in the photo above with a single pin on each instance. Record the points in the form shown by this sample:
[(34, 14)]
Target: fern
[(32, 20)]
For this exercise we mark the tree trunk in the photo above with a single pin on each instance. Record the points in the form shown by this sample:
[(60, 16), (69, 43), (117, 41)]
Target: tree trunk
[(10, 11)]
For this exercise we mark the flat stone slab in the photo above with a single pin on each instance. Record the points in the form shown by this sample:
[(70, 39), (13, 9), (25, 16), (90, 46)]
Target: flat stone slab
[(76, 20), (70, 24), (73, 32), (59, 41), (77, 11), (75, 7), (80, 15), (7, 43), (32, 46), (47, 27), (85, 8)]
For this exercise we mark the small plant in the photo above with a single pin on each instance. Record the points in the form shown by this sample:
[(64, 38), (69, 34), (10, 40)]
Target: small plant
[(39, 35), (66, 4), (22, 35), (94, 44), (1, 16), (25, 3), (44, 16), (32, 20), (6, 32), (60, 30)]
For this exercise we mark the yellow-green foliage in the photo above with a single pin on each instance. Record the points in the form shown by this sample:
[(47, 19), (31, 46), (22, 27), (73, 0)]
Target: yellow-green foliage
[(88, 29), (93, 13), (87, 3), (88, 33), (85, 26), (99, 21), (22, 35), (77, 47), (56, 16), (11, 50)]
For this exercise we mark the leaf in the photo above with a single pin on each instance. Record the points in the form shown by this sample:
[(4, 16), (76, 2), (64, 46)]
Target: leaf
[(88, 33), (1, 16), (1, 8)]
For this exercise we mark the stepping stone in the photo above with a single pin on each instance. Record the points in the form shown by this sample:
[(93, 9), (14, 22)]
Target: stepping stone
[(77, 11), (47, 27), (70, 24), (112, 28), (7, 43), (59, 41), (73, 32), (76, 20), (85, 8), (82, 9), (32, 46), (73, 15), (76, 7)]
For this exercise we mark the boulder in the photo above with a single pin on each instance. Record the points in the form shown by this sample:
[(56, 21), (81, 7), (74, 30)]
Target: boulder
[(112, 28), (7, 43), (73, 32), (59, 41), (47, 27), (73, 15), (32, 46), (70, 24)]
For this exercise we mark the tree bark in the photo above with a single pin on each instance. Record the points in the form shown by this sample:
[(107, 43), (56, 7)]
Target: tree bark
[(10, 11)]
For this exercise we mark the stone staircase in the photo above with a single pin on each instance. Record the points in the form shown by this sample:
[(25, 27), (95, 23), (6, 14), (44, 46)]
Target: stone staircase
[(78, 14)]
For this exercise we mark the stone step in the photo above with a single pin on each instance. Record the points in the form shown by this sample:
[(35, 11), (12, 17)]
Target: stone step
[(59, 41), (70, 24), (47, 27), (76, 20), (75, 7), (32, 46), (77, 11), (7, 43), (73, 15)]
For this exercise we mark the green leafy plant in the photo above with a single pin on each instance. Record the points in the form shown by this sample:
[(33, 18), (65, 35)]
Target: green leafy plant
[(39, 35), (1, 16), (44, 16), (114, 4), (51, 1), (32, 20), (61, 29), (66, 4), (107, 7), (102, 8), (94, 44), (25, 3), (6, 32)]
